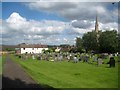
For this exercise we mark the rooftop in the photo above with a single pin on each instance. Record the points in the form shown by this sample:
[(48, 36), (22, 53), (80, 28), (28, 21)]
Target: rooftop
[(32, 46)]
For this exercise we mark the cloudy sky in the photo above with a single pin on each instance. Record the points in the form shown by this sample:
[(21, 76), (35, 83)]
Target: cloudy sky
[(54, 23)]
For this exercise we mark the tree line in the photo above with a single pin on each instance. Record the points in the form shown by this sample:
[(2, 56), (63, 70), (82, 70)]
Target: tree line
[(101, 42)]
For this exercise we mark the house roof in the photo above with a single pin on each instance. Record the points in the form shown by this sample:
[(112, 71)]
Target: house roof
[(33, 46)]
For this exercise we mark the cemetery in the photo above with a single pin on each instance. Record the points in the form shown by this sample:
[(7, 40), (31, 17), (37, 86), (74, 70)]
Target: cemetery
[(71, 70), (60, 45), (91, 63)]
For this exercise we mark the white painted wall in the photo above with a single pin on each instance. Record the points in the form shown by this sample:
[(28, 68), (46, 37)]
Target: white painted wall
[(31, 50)]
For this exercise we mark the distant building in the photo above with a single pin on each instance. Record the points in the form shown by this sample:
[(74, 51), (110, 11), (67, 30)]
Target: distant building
[(31, 48), (65, 47), (1, 51), (57, 49)]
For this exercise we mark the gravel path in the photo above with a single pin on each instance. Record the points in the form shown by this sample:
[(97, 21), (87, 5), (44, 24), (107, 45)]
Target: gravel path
[(15, 77)]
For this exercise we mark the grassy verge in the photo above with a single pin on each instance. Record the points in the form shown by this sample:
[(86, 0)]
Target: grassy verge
[(70, 75), (0, 65), (2, 61)]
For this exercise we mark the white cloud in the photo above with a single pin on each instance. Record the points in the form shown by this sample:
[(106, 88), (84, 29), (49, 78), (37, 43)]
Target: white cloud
[(77, 10), (16, 22), (17, 29), (81, 23), (109, 26)]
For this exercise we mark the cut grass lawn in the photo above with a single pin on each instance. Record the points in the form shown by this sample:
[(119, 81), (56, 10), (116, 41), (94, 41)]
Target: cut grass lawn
[(0, 65), (70, 75), (2, 61)]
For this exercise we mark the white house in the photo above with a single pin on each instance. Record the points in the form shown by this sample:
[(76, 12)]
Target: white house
[(31, 48), (57, 49)]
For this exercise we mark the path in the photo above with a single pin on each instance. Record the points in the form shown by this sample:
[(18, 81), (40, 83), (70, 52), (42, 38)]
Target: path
[(15, 77)]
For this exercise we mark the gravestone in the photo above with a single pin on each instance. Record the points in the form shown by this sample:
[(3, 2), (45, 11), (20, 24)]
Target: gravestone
[(33, 57), (99, 61), (112, 62)]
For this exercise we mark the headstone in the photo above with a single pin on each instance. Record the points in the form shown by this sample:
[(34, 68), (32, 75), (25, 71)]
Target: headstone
[(75, 59), (68, 58), (60, 58), (33, 57), (95, 58), (99, 62), (112, 62)]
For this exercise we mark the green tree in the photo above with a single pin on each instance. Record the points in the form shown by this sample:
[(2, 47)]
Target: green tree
[(90, 41), (118, 49), (108, 41), (79, 45), (49, 50), (43, 50)]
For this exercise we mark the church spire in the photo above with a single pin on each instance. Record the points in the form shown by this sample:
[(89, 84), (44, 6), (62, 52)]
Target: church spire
[(96, 25)]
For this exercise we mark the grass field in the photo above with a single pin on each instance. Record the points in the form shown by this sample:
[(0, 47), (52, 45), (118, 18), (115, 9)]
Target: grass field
[(2, 60), (70, 75), (0, 65)]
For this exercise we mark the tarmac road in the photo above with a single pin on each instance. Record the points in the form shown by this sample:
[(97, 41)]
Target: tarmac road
[(15, 77)]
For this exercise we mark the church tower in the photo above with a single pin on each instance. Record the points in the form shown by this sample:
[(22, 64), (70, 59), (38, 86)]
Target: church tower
[(97, 29), (96, 25)]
